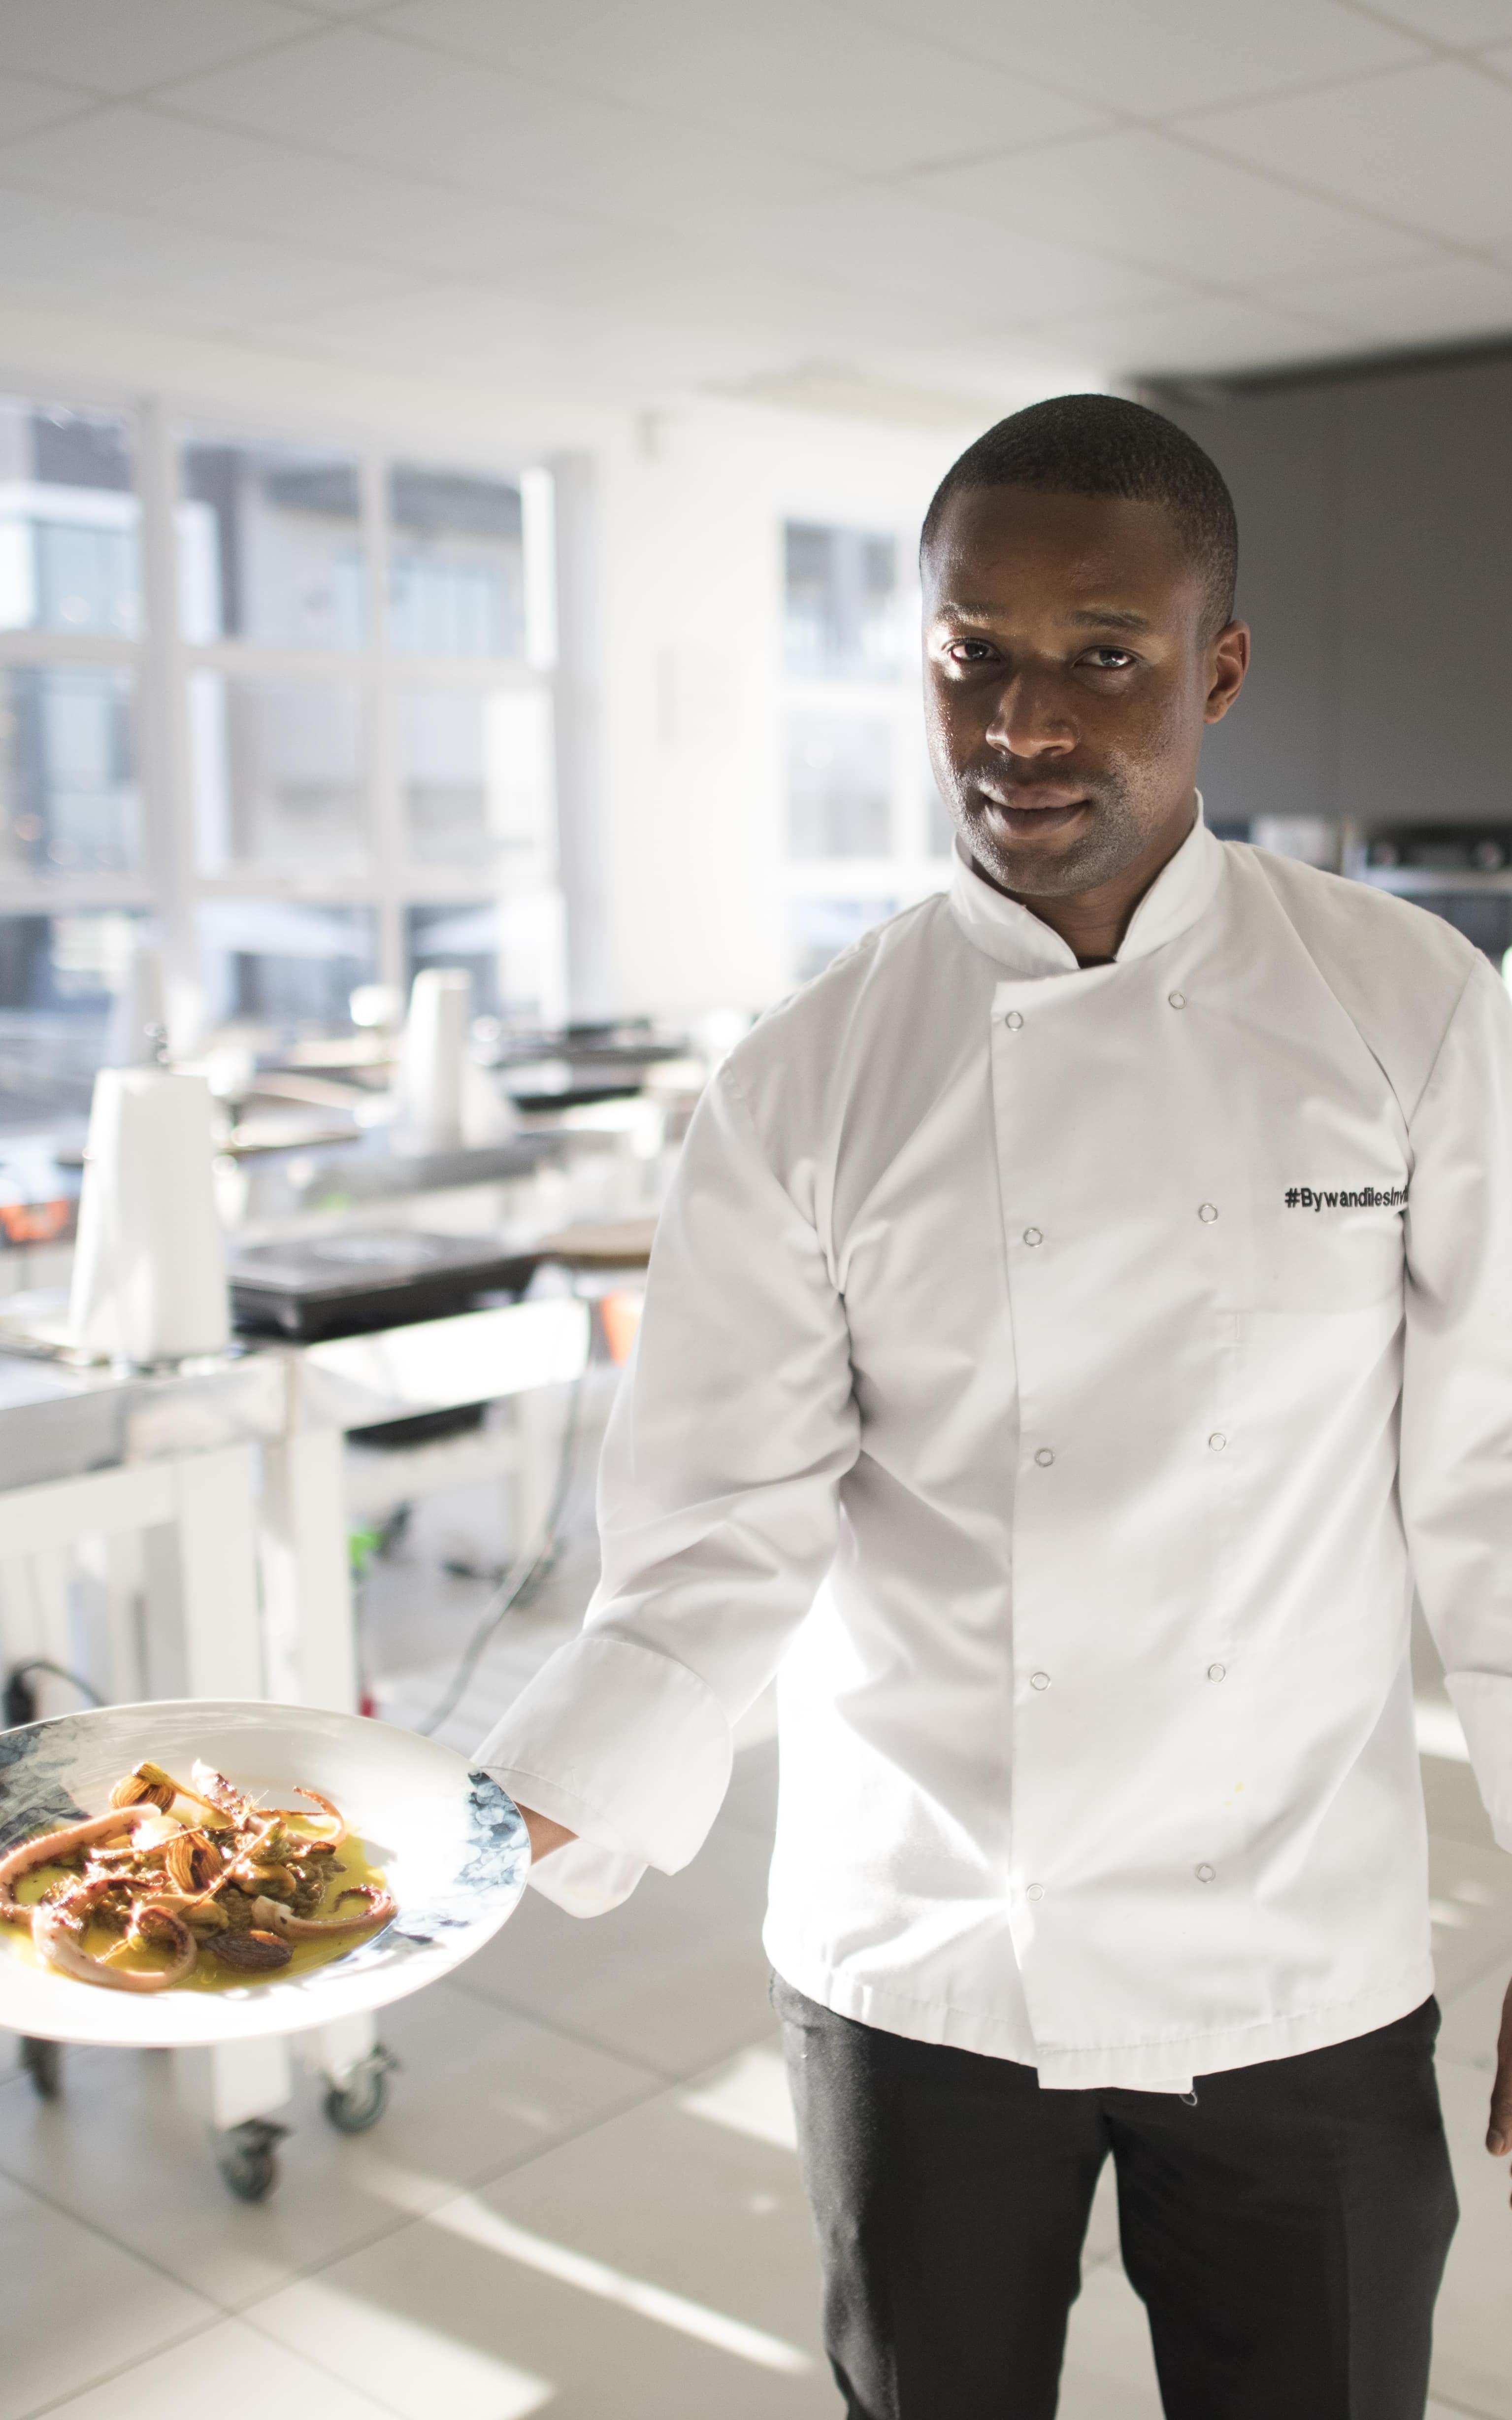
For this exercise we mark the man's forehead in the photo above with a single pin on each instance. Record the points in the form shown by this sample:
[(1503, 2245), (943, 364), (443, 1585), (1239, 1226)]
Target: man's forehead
[(1097, 558)]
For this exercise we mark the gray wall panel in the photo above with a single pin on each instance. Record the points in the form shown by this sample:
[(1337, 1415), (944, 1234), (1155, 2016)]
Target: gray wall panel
[(1375, 567), (1426, 597), (1275, 754)]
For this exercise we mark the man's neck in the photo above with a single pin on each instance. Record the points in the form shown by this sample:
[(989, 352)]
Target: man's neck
[(1093, 922)]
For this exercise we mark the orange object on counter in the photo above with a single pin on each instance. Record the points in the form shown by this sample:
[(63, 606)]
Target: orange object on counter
[(621, 1316)]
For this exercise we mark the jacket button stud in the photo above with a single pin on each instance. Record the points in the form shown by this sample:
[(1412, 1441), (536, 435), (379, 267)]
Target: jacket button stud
[(1036, 1890), (1207, 1213), (1038, 1679), (1217, 1441), (1177, 998), (1032, 1236), (1044, 1457), (1204, 1874), (1216, 1671), (1012, 1021)]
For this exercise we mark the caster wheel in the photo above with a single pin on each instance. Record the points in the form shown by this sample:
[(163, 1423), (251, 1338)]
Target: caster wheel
[(360, 2103), (44, 2063), (247, 2157)]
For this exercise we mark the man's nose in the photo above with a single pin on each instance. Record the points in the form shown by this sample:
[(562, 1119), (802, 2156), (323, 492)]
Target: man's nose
[(1029, 721)]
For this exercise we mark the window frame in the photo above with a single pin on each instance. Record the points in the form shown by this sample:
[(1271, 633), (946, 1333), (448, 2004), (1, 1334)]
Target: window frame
[(170, 884), (912, 868)]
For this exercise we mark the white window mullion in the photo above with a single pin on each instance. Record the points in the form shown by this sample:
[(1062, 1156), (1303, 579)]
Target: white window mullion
[(168, 806), (386, 838)]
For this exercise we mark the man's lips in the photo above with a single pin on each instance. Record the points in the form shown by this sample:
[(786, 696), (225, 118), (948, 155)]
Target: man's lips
[(1030, 812)]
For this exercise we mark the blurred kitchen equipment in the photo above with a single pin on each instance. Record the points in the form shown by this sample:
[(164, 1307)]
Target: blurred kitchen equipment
[(442, 1100), (368, 1277), (149, 1269), (138, 1034)]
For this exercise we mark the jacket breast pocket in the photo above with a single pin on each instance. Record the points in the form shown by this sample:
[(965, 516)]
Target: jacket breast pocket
[(1322, 1248)]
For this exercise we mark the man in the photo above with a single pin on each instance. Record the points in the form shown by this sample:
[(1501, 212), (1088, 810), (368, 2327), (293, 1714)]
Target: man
[(1103, 1273)]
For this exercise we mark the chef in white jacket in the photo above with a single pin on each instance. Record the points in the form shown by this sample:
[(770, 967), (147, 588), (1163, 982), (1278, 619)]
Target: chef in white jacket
[(1096, 1290)]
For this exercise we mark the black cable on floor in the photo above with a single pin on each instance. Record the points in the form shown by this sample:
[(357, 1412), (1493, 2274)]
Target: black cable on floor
[(517, 1587), (20, 1698)]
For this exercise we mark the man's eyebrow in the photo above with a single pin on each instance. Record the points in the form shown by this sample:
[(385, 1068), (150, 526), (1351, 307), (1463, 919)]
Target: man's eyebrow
[(1108, 617), (1084, 617)]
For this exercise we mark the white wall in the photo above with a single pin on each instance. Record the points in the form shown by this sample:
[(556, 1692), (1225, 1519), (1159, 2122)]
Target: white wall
[(672, 553), (692, 522)]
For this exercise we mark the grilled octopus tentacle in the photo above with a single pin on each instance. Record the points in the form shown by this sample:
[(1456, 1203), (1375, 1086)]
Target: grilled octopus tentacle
[(56, 1929), (296, 1815), (53, 1846), (272, 1916)]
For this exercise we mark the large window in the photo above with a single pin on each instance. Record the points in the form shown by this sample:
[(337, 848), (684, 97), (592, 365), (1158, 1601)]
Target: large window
[(283, 706), (70, 549), (866, 832)]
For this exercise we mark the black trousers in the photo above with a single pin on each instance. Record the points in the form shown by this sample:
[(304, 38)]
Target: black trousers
[(1287, 2233)]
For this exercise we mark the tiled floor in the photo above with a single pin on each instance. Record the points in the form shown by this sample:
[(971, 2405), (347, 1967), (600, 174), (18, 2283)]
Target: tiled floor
[(583, 2201)]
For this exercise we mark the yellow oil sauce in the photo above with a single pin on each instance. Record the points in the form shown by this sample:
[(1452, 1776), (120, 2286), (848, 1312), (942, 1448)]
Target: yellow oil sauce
[(350, 1869)]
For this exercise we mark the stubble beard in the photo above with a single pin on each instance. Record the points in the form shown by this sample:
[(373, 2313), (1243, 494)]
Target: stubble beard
[(1115, 837)]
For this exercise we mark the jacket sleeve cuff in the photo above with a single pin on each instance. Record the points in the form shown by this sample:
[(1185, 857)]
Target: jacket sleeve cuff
[(624, 1745), (1483, 1702), (585, 1881)]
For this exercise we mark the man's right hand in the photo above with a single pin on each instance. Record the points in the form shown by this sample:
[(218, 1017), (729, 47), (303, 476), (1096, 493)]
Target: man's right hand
[(544, 1835)]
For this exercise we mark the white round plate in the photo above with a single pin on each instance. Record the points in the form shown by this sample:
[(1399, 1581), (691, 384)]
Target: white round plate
[(452, 1846)]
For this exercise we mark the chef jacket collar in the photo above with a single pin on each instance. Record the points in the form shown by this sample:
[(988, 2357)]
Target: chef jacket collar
[(1025, 946)]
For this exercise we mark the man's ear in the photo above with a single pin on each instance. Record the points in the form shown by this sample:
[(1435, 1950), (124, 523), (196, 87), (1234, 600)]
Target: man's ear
[(1228, 663)]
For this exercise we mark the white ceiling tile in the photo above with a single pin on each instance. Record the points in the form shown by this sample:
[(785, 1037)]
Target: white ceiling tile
[(1150, 197), (1014, 371), (1429, 147), (210, 177), (1440, 300), (361, 95), (625, 280), (1209, 336), (25, 104), (803, 76), (895, 244), (1457, 23), (467, 330), (126, 45), (71, 256), (1154, 60)]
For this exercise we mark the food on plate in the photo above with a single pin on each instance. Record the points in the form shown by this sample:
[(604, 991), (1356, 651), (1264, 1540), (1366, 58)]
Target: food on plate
[(143, 1898)]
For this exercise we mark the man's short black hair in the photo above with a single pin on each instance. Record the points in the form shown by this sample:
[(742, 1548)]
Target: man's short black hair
[(1101, 446)]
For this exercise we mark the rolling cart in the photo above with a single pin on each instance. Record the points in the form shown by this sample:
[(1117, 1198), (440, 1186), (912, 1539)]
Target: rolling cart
[(217, 1499)]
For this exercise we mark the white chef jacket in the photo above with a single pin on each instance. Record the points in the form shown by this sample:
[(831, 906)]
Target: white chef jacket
[(1123, 1342)]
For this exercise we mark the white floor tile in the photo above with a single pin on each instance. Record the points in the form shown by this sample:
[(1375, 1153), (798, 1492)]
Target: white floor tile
[(675, 1978), (750, 1800), (1102, 2241), (1110, 2371), (748, 2093), (228, 2372), (1471, 1905), (77, 2309), (424, 2362), (1472, 2347), (1452, 1801), (478, 2088), (1472, 2017), (662, 2265)]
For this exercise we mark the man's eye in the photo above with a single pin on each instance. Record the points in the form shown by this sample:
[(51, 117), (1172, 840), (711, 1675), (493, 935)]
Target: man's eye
[(1109, 659), (969, 651)]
